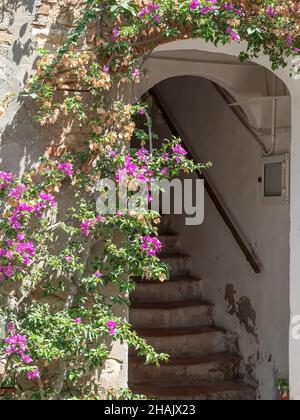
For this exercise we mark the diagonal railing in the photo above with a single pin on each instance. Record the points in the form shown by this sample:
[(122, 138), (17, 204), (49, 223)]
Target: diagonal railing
[(242, 244)]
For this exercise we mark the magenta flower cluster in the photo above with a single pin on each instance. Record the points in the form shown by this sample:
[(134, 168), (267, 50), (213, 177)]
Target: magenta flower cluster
[(211, 6), (17, 345), (116, 33), (67, 168), (271, 11), (18, 192), (141, 173), (87, 225), (234, 36), (151, 245), (151, 10), (179, 152), (24, 209), (18, 251), (112, 327), (136, 74), (13, 253), (6, 178)]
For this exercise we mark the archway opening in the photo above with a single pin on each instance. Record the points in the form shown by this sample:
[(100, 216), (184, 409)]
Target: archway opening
[(238, 117)]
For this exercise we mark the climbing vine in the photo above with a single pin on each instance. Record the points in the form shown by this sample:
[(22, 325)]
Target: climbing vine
[(65, 267)]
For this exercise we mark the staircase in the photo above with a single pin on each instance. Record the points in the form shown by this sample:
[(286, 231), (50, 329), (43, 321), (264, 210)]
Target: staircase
[(175, 319)]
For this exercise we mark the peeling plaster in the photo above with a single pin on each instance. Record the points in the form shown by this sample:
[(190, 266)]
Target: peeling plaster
[(242, 309)]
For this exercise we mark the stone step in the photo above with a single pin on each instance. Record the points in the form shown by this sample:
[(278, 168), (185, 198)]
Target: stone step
[(177, 288), (188, 370), (169, 243), (179, 264), (203, 391), (165, 224), (184, 313), (186, 341)]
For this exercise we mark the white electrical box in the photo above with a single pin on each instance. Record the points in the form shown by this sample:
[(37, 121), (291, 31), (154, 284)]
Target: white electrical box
[(276, 179)]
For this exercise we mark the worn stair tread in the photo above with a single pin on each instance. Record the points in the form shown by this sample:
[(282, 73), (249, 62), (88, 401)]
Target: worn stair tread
[(190, 360), (171, 280), (170, 305), (168, 235), (169, 332), (173, 256), (203, 388)]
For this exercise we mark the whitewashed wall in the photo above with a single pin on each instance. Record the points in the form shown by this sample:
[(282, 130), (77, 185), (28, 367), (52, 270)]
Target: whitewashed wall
[(261, 321)]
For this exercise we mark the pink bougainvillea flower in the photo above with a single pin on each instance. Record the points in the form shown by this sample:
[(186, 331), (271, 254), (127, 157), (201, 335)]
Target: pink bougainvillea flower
[(10, 327), (149, 9), (18, 192), (20, 237), (116, 33), (290, 39), (136, 73), (271, 11), (157, 19), (67, 168), (85, 228), (9, 255), (48, 198), (112, 327), (6, 178), (142, 155), (229, 6), (25, 249), (234, 36), (16, 344), (98, 274), (78, 321), (179, 150), (151, 245), (33, 374), (26, 359), (194, 4), (8, 271), (100, 218)]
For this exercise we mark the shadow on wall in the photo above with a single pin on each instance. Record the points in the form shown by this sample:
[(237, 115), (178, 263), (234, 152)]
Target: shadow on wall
[(23, 140)]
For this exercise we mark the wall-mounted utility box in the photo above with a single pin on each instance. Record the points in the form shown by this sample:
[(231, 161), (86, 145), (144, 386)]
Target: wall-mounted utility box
[(276, 179)]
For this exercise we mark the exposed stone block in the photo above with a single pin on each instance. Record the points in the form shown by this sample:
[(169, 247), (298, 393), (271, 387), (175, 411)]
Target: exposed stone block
[(44, 10), (6, 37)]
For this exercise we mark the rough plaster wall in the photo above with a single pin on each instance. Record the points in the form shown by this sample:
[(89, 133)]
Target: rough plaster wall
[(24, 26), (256, 307)]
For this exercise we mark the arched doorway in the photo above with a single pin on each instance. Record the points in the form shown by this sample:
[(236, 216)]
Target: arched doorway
[(245, 303)]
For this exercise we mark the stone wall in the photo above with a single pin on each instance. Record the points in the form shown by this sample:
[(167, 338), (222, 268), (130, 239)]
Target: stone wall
[(25, 26)]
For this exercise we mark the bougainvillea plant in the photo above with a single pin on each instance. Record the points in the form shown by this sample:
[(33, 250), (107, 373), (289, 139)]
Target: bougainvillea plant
[(65, 268)]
